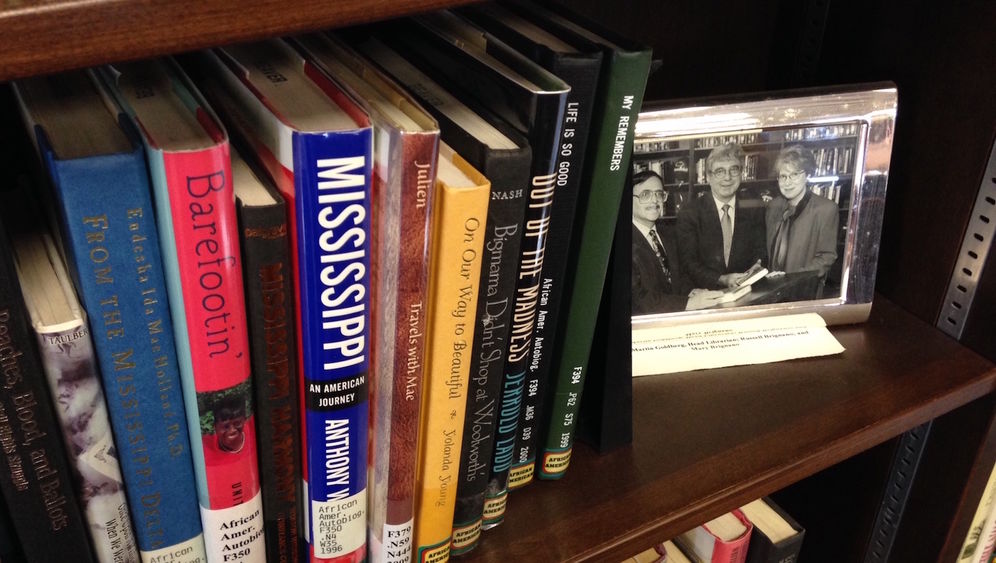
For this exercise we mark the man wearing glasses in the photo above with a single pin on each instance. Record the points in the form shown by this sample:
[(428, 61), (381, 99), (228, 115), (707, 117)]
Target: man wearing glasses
[(720, 236), (657, 283)]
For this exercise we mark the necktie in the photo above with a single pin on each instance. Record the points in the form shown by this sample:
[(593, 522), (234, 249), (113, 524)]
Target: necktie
[(655, 241), (780, 245), (727, 223)]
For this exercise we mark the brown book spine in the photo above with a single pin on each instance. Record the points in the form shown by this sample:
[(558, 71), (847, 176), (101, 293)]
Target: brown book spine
[(270, 307), (403, 186)]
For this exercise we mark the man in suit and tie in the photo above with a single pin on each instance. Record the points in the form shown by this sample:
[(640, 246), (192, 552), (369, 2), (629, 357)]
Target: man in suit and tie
[(657, 282), (720, 236)]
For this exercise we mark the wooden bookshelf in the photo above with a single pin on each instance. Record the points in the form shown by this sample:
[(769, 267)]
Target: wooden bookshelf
[(703, 442), (44, 36)]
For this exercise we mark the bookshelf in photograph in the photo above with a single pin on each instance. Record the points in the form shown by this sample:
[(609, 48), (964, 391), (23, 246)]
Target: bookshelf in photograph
[(705, 443), (682, 163), (833, 151)]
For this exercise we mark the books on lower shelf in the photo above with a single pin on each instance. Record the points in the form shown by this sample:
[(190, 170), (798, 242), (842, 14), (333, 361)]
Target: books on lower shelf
[(672, 553), (665, 552), (723, 539), (758, 532), (777, 537)]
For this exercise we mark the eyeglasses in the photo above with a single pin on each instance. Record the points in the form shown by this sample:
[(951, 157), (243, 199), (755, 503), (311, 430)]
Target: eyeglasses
[(733, 171), (649, 196), (791, 176)]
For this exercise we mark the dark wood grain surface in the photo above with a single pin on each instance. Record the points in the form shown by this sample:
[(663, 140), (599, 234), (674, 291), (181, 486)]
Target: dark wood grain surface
[(40, 37), (705, 442), (708, 441)]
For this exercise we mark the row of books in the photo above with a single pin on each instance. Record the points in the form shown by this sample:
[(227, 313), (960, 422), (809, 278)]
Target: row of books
[(753, 163), (830, 161), (758, 532), (329, 297), (830, 190), (822, 132), (720, 140)]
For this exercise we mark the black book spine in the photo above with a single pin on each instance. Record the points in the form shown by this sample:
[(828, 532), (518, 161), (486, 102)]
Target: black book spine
[(582, 75), (509, 177), (35, 473), (518, 381), (606, 415), (270, 310), (762, 550), (10, 547)]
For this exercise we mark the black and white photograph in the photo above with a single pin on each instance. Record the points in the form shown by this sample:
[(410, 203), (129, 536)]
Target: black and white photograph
[(755, 208)]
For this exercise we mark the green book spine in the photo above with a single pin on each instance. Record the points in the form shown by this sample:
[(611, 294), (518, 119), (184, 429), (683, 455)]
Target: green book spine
[(623, 80)]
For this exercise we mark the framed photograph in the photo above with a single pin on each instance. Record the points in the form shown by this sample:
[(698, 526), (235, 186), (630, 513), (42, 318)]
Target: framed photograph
[(755, 207)]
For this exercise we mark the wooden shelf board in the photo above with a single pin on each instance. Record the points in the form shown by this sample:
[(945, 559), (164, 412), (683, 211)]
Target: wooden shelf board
[(705, 442), (44, 36)]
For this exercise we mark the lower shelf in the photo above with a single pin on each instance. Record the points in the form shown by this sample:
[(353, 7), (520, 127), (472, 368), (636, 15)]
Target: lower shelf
[(707, 441)]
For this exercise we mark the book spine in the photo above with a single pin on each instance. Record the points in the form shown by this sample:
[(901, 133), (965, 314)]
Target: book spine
[(10, 548), (404, 174), (198, 233), (270, 306), (34, 470), (70, 366), (622, 82), (606, 415), (735, 550), (332, 177), (113, 250), (570, 158), (502, 240), (459, 222), (517, 382), (544, 130), (730, 552)]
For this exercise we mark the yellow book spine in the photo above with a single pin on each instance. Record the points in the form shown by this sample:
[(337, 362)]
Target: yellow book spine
[(458, 228)]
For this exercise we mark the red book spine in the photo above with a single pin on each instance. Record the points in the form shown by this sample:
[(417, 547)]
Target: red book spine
[(733, 551), (206, 263)]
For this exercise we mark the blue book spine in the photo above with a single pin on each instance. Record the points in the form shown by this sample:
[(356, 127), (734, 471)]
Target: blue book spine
[(111, 243), (332, 180)]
